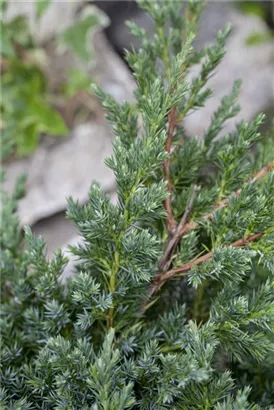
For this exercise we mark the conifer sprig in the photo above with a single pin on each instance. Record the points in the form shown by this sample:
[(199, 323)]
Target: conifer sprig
[(160, 280), (185, 227), (209, 216)]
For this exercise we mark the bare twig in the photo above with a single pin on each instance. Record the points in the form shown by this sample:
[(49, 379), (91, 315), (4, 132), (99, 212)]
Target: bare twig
[(188, 266), (172, 243), (171, 222), (162, 278), (174, 240), (263, 172)]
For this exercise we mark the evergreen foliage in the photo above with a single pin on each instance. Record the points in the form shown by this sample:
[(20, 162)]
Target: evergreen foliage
[(173, 303)]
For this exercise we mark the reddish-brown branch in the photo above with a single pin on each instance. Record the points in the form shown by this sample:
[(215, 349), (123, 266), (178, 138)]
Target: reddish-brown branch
[(263, 172), (174, 240), (162, 278), (188, 266), (171, 222)]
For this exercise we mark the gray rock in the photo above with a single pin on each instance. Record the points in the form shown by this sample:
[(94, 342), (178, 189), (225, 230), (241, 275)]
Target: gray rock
[(214, 17), (57, 230), (65, 169), (253, 64)]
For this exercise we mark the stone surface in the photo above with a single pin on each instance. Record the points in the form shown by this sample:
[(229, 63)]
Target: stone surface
[(65, 169), (253, 64), (57, 230)]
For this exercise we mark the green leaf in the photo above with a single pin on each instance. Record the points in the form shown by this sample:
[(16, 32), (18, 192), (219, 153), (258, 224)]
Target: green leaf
[(252, 7), (19, 31), (6, 142), (6, 43), (75, 37), (77, 80), (41, 7), (27, 141), (48, 120), (258, 38), (3, 6)]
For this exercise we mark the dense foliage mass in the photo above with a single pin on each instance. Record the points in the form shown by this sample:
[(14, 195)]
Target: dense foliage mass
[(172, 305)]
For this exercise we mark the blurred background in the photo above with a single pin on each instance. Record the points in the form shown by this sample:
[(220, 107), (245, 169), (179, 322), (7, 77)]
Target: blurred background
[(53, 128)]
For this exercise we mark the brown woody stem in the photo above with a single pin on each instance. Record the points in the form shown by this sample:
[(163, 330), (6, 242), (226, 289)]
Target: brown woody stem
[(174, 240), (162, 278), (188, 266)]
